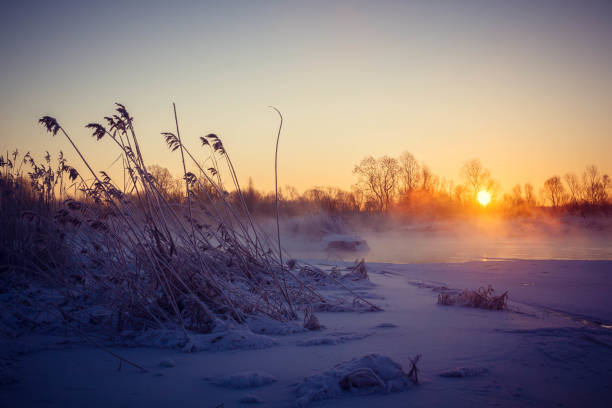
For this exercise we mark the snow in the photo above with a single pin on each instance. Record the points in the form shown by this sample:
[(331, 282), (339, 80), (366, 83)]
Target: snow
[(552, 347), (239, 338), (462, 372), (248, 379), (332, 339), (266, 325), (250, 399), (167, 363), (6, 371), (386, 326), (365, 375)]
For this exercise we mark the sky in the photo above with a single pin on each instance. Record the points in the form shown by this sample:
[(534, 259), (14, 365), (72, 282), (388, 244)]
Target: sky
[(524, 86)]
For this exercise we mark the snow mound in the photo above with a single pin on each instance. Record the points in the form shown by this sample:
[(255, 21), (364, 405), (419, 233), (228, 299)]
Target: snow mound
[(332, 339), (167, 363), (464, 372), (345, 303), (369, 374), (247, 379), (152, 338), (250, 399), (266, 325), (355, 275), (231, 339)]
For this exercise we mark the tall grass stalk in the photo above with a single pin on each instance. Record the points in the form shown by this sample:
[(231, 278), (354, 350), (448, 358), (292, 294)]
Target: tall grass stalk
[(178, 264)]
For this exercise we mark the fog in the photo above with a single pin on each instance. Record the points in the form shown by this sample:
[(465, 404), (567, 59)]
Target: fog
[(396, 240)]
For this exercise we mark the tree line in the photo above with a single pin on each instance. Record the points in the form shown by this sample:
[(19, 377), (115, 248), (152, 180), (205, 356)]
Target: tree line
[(403, 185), (406, 186)]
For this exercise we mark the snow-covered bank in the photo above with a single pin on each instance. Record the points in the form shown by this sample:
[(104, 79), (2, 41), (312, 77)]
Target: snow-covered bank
[(553, 347)]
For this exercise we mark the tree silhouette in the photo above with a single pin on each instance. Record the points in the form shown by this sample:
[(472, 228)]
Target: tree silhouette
[(554, 191), (378, 180), (476, 177)]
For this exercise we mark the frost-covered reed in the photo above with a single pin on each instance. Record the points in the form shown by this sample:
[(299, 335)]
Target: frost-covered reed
[(156, 263)]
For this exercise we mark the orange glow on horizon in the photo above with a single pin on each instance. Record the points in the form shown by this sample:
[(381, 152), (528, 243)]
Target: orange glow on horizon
[(483, 197)]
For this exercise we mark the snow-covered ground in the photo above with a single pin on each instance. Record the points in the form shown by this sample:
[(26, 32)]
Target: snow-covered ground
[(552, 348)]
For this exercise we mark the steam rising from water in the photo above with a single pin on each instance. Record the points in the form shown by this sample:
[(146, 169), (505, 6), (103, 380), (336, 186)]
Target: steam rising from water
[(484, 238)]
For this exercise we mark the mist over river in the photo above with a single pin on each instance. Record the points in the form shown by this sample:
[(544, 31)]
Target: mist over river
[(448, 242)]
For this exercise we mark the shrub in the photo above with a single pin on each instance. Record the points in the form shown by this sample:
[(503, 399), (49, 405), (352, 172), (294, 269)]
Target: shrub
[(481, 298)]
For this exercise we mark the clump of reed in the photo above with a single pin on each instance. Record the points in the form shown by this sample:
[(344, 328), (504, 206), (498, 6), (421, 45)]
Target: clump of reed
[(30, 238), (154, 263), (483, 298)]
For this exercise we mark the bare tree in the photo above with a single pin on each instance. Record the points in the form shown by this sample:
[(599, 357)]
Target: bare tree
[(167, 184), (516, 196), (606, 184), (574, 187), (291, 193), (554, 191), (410, 172), (428, 179), (459, 194), (251, 196), (378, 179), (476, 177), (595, 185), (530, 198), (358, 197)]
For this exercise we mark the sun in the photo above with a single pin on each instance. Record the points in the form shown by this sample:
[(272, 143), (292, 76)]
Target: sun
[(483, 197)]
